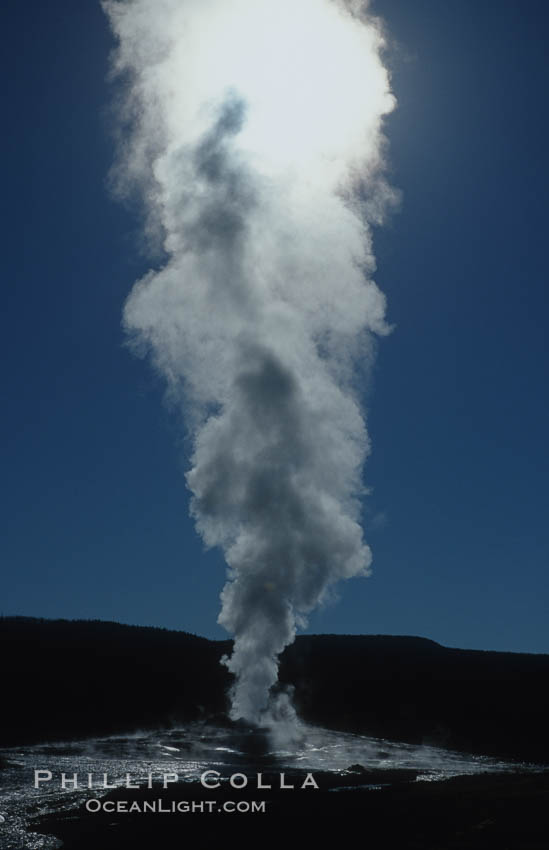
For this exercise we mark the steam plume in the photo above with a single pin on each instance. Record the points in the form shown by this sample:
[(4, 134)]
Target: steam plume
[(252, 129)]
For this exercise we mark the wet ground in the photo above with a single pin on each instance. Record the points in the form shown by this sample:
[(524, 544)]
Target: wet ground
[(161, 789)]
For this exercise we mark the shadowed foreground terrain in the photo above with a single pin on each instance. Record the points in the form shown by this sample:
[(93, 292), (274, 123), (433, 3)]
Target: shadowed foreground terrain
[(477, 813), (65, 679)]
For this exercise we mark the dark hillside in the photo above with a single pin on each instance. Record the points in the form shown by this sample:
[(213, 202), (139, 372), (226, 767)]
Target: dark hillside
[(64, 679), (413, 689)]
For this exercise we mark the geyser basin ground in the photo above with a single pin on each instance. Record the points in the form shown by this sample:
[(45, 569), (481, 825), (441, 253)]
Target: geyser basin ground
[(355, 775)]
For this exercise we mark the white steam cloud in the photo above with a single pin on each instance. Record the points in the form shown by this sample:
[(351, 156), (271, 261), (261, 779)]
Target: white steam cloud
[(253, 131)]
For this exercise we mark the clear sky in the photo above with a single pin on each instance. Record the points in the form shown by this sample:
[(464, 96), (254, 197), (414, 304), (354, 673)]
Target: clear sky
[(95, 505)]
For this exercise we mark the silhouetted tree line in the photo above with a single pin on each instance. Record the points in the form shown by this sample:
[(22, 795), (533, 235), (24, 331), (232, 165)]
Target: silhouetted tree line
[(415, 690), (64, 679)]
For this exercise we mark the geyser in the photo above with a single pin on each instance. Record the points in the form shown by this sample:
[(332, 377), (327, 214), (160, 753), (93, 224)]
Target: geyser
[(252, 130)]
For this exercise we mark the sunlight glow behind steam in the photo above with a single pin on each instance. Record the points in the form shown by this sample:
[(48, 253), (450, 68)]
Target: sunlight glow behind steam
[(252, 129)]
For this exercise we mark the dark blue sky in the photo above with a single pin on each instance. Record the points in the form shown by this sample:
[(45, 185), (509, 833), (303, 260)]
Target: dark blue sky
[(95, 510)]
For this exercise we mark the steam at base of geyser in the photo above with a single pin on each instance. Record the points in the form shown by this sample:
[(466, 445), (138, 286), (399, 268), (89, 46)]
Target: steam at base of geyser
[(252, 130)]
